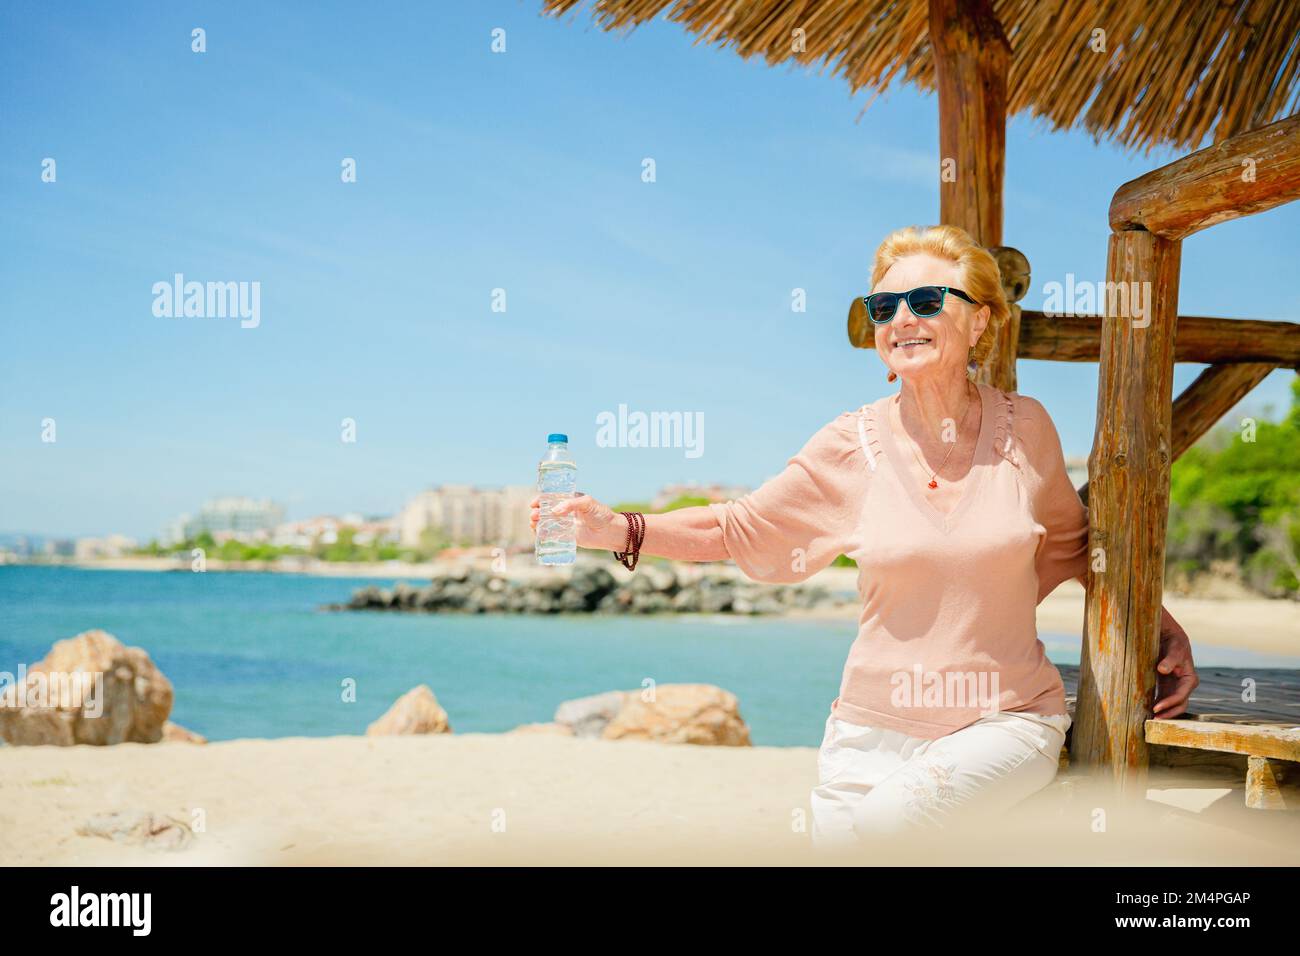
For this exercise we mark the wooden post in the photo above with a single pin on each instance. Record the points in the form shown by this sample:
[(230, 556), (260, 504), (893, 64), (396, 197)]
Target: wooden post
[(1133, 447), (971, 60), (1264, 779), (1129, 470)]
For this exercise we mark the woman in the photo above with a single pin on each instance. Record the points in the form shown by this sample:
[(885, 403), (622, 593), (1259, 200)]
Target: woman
[(953, 499)]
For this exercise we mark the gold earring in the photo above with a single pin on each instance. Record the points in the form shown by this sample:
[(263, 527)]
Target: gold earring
[(891, 376)]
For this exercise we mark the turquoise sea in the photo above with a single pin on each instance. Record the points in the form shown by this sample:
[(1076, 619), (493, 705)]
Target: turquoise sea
[(252, 655)]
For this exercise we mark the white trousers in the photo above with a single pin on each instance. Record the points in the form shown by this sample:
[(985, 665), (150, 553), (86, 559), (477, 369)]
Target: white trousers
[(875, 782)]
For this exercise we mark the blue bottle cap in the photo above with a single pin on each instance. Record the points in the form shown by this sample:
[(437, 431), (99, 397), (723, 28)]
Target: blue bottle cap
[(556, 436)]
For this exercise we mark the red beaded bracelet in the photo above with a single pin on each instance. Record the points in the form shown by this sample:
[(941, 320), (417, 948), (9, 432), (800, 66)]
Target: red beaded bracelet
[(635, 535)]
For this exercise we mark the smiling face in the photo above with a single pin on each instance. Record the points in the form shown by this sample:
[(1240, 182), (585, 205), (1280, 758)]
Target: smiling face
[(915, 347)]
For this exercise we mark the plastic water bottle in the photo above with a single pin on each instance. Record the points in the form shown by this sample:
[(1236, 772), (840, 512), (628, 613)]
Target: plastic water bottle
[(557, 480)]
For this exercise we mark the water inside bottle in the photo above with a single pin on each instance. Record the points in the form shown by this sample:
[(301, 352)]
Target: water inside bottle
[(557, 537)]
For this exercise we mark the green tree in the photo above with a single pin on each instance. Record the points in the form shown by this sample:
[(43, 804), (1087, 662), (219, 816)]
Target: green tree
[(683, 501), (433, 540), (1235, 497)]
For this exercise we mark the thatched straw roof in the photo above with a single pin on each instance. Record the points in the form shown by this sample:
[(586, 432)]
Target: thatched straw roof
[(1173, 71)]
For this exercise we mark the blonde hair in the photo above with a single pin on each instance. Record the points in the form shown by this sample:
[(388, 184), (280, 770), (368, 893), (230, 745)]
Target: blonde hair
[(981, 278)]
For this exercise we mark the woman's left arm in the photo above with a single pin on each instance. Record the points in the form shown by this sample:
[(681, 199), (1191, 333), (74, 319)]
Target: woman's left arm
[(1064, 553), (1175, 673)]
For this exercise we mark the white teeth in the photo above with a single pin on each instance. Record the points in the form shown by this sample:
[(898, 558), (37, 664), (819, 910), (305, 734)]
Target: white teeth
[(910, 342)]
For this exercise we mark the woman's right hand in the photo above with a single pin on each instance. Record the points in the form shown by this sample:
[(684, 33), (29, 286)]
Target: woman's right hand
[(597, 525)]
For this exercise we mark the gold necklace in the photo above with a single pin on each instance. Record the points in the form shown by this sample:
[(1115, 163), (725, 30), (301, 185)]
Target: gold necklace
[(933, 482)]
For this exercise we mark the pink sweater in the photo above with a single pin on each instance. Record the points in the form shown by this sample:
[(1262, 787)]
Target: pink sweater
[(947, 631)]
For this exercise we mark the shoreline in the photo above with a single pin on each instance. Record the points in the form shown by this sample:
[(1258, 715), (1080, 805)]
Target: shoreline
[(313, 568), (1257, 624)]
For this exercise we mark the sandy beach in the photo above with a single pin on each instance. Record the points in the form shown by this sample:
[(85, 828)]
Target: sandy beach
[(530, 798), (474, 798), (1250, 624)]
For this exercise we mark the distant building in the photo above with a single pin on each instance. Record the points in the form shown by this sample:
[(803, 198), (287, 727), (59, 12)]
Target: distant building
[(174, 532), (307, 533), (324, 530), (714, 492), (241, 519), (370, 530), (17, 546), (469, 515), (112, 546)]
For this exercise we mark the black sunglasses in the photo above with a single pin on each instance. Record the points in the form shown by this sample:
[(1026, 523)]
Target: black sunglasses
[(924, 301)]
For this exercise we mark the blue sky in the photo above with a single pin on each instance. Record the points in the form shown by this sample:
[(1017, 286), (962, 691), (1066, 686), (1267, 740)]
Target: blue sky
[(475, 171)]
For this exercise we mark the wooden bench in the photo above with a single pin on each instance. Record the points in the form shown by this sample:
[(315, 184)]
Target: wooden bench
[(1261, 740), (1271, 748), (1270, 751)]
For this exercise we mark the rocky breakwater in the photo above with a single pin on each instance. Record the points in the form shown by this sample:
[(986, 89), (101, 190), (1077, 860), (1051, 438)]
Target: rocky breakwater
[(591, 588)]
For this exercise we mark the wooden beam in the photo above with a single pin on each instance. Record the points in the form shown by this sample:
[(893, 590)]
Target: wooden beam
[(1077, 338), (1258, 740), (1246, 174), (1129, 466), (972, 59), (1203, 403), (1214, 393)]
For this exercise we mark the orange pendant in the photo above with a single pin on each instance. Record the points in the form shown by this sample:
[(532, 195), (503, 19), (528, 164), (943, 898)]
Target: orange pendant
[(933, 483)]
